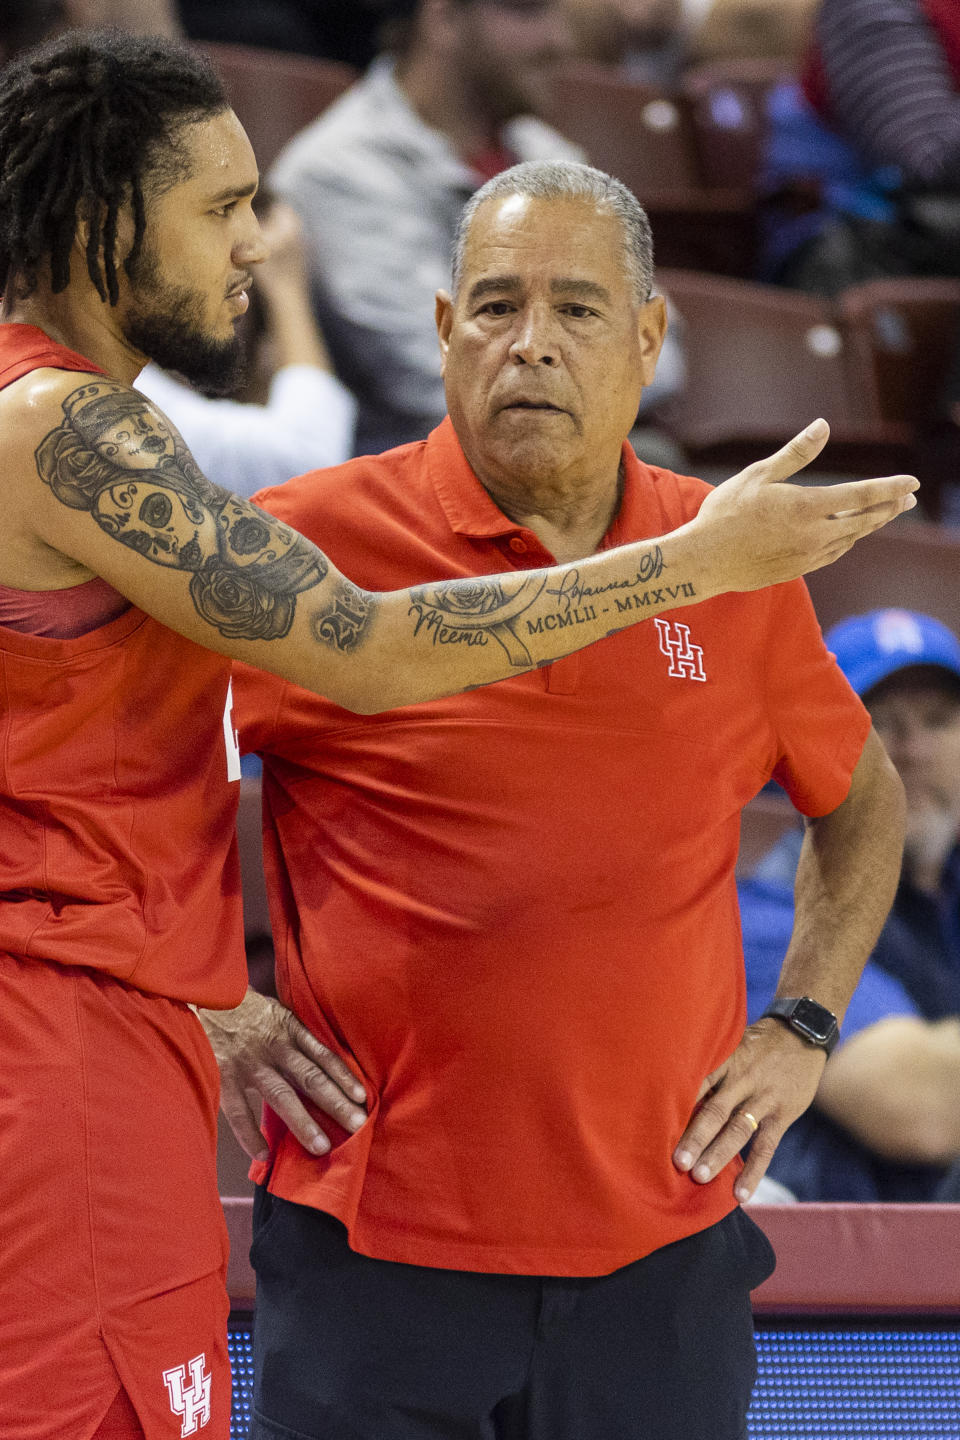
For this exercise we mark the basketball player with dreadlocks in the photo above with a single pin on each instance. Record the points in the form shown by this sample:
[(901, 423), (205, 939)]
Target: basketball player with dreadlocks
[(126, 580)]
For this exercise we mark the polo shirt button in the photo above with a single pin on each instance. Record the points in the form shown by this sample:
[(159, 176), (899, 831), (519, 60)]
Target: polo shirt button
[(518, 546)]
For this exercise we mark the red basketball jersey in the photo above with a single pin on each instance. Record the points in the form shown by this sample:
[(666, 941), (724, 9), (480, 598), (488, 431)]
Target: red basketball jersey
[(117, 842)]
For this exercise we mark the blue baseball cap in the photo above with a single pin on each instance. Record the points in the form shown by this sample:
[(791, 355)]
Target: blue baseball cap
[(871, 647)]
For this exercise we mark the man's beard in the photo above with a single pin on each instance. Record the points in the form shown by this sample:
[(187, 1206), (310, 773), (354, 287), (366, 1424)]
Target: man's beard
[(164, 323)]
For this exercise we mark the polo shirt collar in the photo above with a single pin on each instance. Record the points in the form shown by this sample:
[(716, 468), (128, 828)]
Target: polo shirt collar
[(470, 510)]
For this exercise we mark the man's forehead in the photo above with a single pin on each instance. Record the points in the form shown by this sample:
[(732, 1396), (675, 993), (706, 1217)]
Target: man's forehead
[(517, 217), (561, 238), (214, 158)]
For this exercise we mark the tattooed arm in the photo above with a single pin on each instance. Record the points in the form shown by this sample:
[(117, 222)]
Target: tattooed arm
[(121, 496)]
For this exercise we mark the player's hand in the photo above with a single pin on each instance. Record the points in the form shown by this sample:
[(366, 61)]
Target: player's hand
[(772, 1076), (285, 268), (759, 530), (266, 1053)]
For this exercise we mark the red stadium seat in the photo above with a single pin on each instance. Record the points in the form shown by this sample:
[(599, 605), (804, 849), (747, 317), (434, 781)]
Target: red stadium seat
[(644, 135), (256, 914), (232, 1162), (640, 133), (276, 94), (761, 363), (904, 333), (728, 102), (907, 565)]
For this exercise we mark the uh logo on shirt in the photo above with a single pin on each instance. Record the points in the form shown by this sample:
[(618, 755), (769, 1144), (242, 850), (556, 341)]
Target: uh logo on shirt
[(686, 659)]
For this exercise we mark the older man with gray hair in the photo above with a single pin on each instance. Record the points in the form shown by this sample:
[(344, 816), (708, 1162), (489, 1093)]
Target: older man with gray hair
[(379, 179), (513, 913)]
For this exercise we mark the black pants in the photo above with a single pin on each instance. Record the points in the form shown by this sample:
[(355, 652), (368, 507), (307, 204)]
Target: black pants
[(351, 1348)]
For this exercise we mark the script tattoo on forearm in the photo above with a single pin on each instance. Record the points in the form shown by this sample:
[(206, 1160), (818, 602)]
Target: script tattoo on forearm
[(572, 591), (116, 456), (578, 603), (574, 597), (471, 612)]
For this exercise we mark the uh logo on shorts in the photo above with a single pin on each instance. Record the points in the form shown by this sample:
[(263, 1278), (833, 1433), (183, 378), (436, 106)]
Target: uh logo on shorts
[(191, 1402)]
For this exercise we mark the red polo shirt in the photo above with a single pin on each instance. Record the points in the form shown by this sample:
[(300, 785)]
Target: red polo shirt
[(514, 910)]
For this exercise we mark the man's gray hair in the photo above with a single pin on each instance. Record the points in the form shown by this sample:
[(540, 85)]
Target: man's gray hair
[(565, 180)]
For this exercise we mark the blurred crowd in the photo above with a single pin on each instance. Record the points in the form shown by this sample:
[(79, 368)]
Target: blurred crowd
[(857, 181), (855, 177)]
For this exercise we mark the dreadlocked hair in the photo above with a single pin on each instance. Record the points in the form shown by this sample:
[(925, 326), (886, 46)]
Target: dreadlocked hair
[(88, 123)]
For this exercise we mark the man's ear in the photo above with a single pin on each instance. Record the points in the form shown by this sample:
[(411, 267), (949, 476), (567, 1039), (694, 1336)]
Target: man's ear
[(85, 216), (651, 330), (125, 231), (444, 319)]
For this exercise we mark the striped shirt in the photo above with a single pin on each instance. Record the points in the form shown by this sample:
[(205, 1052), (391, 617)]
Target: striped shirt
[(892, 73)]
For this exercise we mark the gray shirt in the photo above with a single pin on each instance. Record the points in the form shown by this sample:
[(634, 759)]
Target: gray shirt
[(380, 192)]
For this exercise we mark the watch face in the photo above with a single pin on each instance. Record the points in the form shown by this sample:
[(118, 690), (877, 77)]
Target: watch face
[(814, 1020)]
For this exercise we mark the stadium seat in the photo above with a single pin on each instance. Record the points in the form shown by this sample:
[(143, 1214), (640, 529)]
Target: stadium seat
[(907, 565), (728, 112), (644, 135), (276, 94), (904, 333), (640, 133), (232, 1162), (902, 336), (764, 361), (761, 363)]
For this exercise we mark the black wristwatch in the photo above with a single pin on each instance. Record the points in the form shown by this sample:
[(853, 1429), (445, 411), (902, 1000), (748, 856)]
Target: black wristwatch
[(814, 1023)]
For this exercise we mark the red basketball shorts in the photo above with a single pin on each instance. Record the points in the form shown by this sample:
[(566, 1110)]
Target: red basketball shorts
[(112, 1242)]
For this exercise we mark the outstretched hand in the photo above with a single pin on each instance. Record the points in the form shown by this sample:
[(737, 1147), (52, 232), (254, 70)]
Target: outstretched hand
[(770, 1079), (760, 530), (266, 1053)]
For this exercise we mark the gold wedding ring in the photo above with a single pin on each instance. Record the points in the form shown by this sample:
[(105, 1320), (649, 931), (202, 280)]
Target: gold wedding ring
[(753, 1120)]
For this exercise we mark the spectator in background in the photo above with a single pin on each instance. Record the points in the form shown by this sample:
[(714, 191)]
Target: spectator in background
[(380, 179), (307, 418), (886, 1120), (875, 139)]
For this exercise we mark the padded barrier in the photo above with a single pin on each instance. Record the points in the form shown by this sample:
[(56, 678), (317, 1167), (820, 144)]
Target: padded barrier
[(831, 1259)]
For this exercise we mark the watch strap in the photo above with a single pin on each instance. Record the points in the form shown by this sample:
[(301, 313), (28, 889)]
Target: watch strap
[(812, 1021)]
